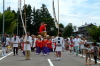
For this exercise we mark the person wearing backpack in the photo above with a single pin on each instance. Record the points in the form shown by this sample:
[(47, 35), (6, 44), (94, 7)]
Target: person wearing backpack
[(95, 52), (4, 44)]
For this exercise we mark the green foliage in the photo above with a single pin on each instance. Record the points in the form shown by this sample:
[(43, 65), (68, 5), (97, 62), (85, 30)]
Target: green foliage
[(68, 30), (12, 27), (43, 15), (61, 25), (94, 32), (10, 21)]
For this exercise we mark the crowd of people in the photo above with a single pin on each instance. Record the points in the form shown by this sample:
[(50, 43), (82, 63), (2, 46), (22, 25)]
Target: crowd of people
[(45, 44), (79, 45)]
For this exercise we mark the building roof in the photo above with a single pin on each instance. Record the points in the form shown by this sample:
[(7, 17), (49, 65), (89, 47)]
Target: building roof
[(61, 29), (86, 25)]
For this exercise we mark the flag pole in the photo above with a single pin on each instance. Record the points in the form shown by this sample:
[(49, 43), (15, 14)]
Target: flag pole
[(58, 17)]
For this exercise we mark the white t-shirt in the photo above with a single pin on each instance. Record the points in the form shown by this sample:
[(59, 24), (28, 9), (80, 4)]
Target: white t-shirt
[(69, 42), (76, 41), (7, 40), (82, 45)]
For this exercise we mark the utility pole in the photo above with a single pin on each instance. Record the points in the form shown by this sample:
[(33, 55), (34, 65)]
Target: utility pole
[(3, 30), (17, 17)]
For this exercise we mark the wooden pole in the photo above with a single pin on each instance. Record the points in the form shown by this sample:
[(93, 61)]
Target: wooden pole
[(58, 17), (25, 13)]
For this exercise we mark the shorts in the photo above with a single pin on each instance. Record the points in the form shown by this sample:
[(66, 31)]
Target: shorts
[(70, 48), (82, 51), (88, 55), (58, 48)]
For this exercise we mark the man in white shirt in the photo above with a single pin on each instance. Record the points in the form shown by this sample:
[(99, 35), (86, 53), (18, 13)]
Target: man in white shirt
[(27, 45), (77, 41), (59, 46), (15, 41)]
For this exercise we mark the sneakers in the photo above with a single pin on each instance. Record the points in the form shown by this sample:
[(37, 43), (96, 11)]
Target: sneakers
[(58, 58), (44, 54)]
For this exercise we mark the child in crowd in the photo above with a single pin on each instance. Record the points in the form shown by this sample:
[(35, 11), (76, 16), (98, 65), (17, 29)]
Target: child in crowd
[(88, 55), (95, 52)]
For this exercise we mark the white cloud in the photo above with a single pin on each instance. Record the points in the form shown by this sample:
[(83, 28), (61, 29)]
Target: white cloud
[(71, 11)]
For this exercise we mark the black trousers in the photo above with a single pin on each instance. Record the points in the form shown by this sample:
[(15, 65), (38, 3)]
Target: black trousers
[(32, 49), (95, 59), (15, 50)]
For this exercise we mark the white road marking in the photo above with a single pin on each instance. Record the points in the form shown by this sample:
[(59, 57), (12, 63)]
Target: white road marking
[(6, 56), (85, 56), (91, 59), (51, 64)]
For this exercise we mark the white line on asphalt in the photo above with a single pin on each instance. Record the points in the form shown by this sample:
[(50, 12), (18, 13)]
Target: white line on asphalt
[(85, 56), (91, 59), (6, 56), (51, 64)]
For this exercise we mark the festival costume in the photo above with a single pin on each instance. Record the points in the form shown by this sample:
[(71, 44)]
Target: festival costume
[(53, 45), (44, 49), (15, 41), (49, 46), (38, 46), (59, 43), (27, 47), (42, 30)]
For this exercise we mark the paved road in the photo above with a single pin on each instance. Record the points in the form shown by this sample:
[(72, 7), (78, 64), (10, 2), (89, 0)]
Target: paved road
[(40, 60)]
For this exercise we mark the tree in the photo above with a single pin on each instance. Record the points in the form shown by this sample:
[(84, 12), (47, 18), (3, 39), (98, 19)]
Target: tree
[(61, 25), (68, 30), (10, 21), (43, 15), (94, 32)]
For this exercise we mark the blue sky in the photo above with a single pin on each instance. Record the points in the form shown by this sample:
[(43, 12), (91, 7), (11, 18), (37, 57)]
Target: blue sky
[(77, 12)]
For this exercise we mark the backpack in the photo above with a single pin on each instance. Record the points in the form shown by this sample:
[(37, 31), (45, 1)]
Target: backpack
[(95, 49), (95, 53), (4, 41)]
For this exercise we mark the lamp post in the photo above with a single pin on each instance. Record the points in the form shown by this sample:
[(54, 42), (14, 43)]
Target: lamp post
[(3, 17)]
